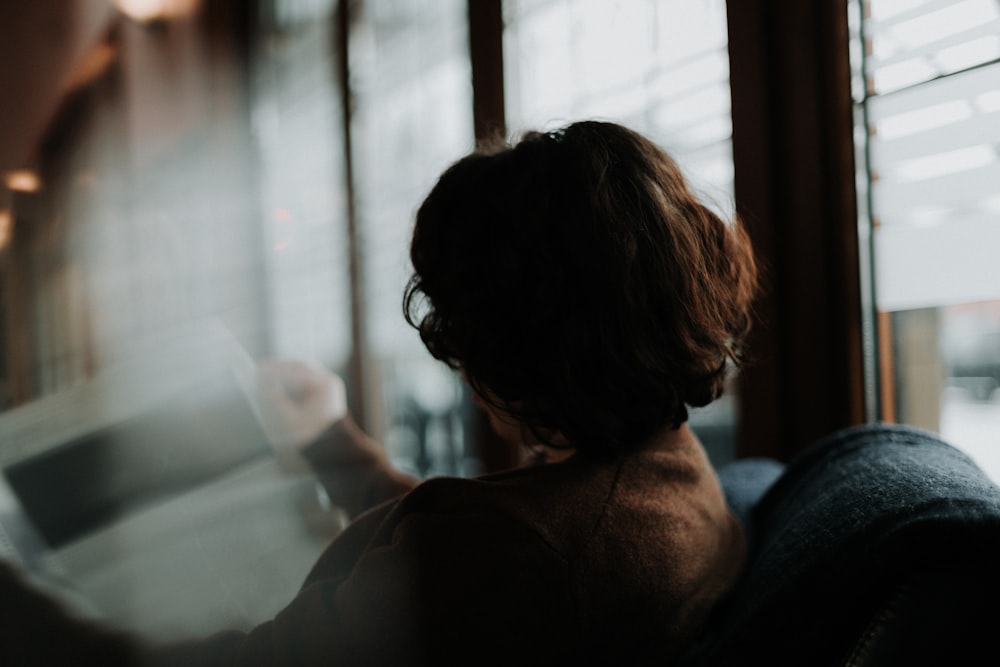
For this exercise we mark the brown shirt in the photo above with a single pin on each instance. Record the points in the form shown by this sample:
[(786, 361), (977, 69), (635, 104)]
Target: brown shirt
[(581, 562)]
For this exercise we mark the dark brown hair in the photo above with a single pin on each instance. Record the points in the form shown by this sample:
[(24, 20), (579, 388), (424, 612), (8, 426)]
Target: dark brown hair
[(581, 285)]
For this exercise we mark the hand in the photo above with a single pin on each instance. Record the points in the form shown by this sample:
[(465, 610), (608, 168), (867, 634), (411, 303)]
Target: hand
[(297, 403)]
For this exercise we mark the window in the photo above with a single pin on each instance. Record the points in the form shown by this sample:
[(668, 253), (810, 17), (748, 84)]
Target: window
[(927, 88), (661, 68), (296, 107), (412, 81)]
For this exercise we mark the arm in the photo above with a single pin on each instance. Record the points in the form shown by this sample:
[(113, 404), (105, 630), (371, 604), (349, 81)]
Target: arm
[(431, 589), (354, 470), (36, 630), (304, 411), (422, 589)]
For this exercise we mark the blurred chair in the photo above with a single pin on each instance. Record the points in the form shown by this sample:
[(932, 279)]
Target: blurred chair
[(879, 545)]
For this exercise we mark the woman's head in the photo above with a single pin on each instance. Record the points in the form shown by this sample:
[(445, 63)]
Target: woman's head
[(580, 285)]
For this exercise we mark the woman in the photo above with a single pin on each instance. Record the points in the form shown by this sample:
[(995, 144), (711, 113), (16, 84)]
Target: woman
[(589, 298)]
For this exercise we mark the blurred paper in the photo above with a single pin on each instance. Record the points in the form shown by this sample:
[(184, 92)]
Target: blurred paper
[(242, 365)]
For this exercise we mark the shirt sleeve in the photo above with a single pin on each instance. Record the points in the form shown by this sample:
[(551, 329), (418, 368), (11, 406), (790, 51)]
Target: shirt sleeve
[(445, 590), (436, 589), (354, 470), (35, 629)]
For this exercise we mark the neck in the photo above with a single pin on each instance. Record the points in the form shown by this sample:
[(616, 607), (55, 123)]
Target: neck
[(666, 438), (673, 437)]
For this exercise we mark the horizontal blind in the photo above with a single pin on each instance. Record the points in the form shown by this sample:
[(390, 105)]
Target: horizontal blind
[(913, 41), (933, 109), (660, 67)]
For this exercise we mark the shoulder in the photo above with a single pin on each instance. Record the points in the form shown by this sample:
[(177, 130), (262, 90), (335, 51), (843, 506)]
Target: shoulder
[(559, 503), (666, 549), (437, 580), (444, 518)]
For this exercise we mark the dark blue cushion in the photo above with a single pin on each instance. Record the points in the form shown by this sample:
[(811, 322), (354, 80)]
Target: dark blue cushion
[(745, 482), (839, 530)]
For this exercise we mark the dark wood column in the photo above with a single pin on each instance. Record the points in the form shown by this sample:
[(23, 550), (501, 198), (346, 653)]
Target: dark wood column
[(359, 387), (486, 56), (794, 161)]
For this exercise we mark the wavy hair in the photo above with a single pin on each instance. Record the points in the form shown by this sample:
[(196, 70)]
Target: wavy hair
[(581, 285)]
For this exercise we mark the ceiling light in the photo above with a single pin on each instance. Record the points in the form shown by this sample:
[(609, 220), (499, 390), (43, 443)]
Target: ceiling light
[(22, 180), (148, 11)]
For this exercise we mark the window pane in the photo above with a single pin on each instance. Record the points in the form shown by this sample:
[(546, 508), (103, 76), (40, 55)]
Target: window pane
[(297, 119), (970, 409), (930, 111), (410, 65)]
